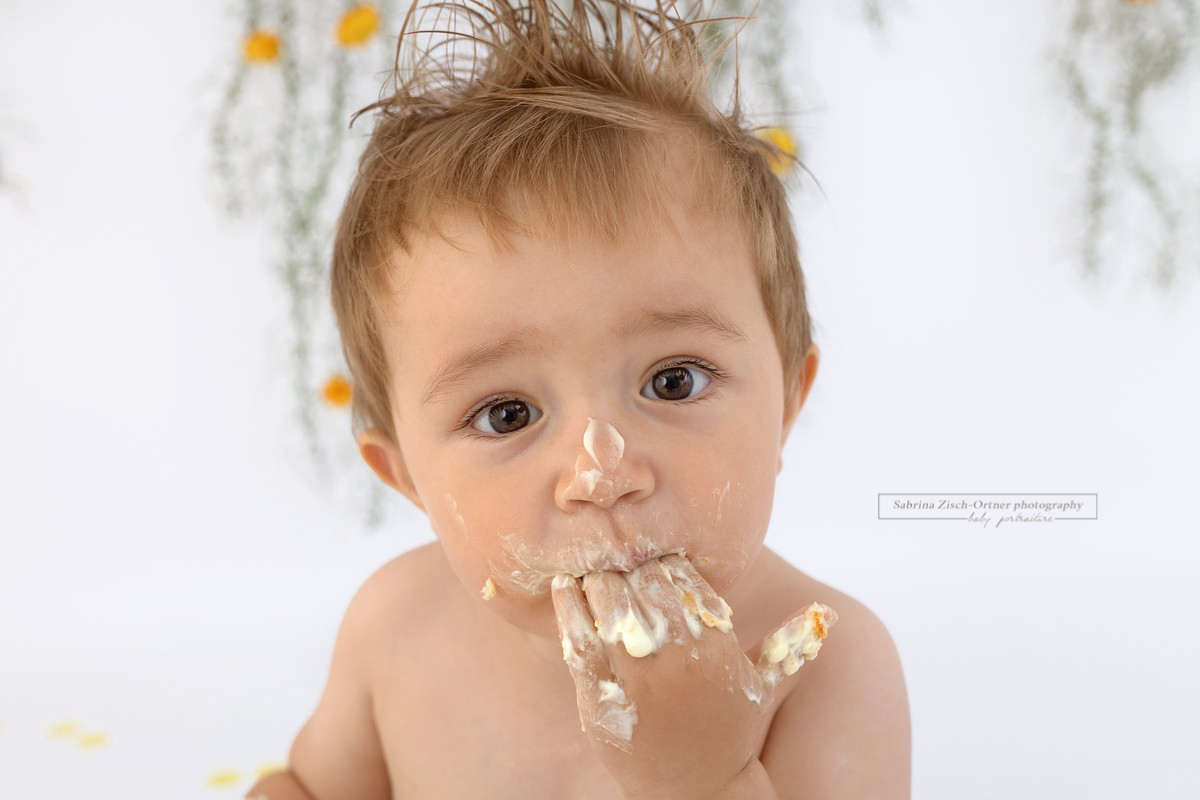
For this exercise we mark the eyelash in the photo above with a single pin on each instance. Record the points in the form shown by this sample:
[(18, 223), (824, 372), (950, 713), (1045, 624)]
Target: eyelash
[(465, 422)]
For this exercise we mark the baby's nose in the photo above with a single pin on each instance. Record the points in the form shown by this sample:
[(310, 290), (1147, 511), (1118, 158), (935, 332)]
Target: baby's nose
[(597, 474)]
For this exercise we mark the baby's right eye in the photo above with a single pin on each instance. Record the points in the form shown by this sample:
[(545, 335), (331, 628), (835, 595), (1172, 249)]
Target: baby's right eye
[(506, 415)]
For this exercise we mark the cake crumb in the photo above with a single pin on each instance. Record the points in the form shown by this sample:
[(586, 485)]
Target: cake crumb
[(489, 590)]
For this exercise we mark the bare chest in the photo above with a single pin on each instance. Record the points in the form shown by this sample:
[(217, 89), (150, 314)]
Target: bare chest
[(458, 730), (461, 721), (458, 727)]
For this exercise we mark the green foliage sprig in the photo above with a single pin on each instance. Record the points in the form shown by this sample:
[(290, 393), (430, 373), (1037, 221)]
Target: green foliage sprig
[(1119, 52), (281, 144)]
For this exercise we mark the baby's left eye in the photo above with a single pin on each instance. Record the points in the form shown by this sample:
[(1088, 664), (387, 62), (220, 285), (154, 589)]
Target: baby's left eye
[(676, 382)]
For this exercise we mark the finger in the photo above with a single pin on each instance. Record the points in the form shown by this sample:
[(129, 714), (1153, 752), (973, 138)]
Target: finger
[(660, 600), (723, 663), (702, 603), (600, 697), (618, 618), (582, 649), (614, 716), (797, 641), (758, 688)]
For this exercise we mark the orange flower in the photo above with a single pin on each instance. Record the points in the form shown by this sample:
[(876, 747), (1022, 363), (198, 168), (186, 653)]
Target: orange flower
[(357, 25), (782, 139), (261, 47), (337, 391)]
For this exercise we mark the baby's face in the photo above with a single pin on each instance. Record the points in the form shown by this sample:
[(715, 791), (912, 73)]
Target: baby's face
[(587, 408)]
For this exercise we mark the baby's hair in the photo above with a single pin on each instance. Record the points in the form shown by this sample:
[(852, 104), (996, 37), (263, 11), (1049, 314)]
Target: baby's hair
[(567, 123)]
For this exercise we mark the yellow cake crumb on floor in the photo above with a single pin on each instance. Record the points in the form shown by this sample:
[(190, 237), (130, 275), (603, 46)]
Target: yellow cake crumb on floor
[(267, 769), (93, 740), (63, 730), (224, 779)]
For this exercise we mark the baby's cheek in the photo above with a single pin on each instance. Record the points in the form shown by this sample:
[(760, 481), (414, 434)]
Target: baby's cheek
[(471, 573), (738, 519), (721, 567), (465, 548)]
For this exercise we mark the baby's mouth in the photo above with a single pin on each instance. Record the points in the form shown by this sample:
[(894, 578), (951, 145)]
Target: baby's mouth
[(626, 562), (531, 570)]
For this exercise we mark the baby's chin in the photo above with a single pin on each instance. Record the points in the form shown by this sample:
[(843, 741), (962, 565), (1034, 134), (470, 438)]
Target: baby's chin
[(531, 613)]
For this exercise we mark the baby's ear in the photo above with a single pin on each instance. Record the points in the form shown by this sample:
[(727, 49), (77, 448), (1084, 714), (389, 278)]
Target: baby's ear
[(795, 401), (383, 456)]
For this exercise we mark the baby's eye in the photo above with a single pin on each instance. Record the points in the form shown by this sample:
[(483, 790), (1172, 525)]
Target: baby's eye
[(675, 382), (507, 415)]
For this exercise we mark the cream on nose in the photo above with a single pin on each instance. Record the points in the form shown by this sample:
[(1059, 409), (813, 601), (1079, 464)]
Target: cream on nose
[(604, 444)]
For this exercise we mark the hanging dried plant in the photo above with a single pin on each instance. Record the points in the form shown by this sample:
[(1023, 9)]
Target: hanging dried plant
[(1117, 53), (8, 182), (282, 150), (872, 11)]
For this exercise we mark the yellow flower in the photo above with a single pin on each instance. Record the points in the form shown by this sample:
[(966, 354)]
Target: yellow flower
[(93, 740), (224, 779), (782, 139), (357, 25), (64, 730), (337, 391), (261, 47)]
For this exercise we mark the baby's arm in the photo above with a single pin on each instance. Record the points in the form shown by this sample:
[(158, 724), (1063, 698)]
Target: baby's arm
[(281, 785), (845, 730), (337, 753)]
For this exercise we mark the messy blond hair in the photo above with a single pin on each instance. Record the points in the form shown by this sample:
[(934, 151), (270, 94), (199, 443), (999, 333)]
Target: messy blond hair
[(596, 98)]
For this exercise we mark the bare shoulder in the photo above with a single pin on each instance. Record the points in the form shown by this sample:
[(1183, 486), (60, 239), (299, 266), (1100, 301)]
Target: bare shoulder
[(844, 730), (399, 598), (413, 572)]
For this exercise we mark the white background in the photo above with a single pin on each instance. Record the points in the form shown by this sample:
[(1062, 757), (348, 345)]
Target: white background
[(170, 574)]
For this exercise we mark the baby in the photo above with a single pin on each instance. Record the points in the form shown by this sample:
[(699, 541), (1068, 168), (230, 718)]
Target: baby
[(570, 299)]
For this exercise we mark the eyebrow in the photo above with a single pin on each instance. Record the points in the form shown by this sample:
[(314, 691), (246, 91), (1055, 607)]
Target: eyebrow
[(702, 318)]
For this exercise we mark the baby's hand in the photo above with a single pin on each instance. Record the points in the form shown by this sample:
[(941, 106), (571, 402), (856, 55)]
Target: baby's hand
[(675, 706)]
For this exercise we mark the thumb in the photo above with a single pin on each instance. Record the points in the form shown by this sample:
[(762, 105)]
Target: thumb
[(797, 641)]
